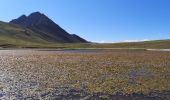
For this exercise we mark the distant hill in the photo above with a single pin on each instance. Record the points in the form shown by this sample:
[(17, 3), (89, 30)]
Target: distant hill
[(154, 44), (37, 30), (46, 29)]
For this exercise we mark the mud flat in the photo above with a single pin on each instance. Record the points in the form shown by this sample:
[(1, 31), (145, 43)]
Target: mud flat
[(102, 74)]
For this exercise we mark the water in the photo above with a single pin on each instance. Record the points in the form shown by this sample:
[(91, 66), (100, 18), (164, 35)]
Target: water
[(164, 50)]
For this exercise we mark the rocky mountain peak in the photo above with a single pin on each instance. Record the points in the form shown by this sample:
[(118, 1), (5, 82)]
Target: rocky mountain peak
[(44, 26), (33, 19)]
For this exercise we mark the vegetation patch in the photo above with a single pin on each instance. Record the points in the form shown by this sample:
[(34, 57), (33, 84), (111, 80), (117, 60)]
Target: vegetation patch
[(102, 74)]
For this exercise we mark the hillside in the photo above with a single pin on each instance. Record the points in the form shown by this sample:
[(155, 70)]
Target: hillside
[(38, 31), (12, 35), (34, 30), (49, 30), (155, 44)]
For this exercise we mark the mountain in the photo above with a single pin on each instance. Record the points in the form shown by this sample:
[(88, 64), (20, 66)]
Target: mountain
[(45, 29)]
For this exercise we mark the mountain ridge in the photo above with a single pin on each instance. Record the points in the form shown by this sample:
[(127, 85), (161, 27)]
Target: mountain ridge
[(41, 24)]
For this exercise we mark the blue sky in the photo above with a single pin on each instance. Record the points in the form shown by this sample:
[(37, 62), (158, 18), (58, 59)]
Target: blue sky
[(100, 20)]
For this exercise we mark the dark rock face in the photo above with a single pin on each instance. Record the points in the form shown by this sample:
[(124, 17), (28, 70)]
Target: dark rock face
[(34, 19), (41, 24), (78, 37), (21, 20)]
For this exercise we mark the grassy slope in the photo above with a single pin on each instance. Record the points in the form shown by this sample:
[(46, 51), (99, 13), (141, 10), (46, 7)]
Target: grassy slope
[(157, 44), (15, 36)]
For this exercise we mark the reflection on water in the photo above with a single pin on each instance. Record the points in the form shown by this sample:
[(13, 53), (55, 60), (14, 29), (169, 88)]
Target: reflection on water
[(165, 50)]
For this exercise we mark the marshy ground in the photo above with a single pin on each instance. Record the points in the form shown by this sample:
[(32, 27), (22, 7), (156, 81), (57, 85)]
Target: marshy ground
[(84, 74)]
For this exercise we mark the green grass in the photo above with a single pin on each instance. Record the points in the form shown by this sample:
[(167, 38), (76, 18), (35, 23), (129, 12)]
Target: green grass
[(157, 44), (13, 36)]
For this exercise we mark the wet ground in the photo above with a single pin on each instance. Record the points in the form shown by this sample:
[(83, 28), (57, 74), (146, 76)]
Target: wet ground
[(84, 74), (163, 50)]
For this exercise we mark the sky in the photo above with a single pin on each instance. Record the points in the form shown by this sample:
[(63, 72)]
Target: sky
[(99, 20)]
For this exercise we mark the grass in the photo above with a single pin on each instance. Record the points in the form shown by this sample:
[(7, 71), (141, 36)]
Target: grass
[(13, 36), (157, 44)]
